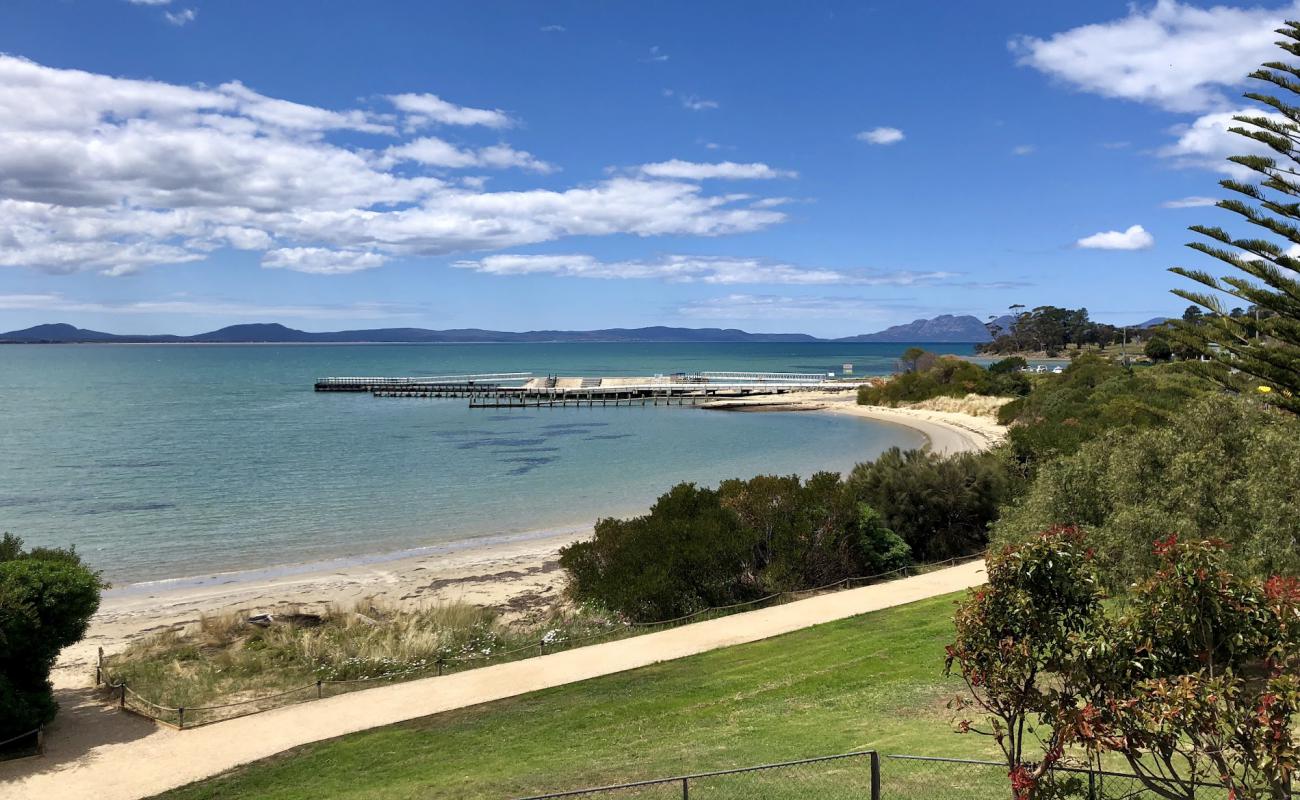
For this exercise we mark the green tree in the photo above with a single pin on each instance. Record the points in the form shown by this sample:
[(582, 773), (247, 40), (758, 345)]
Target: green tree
[(688, 553), (1198, 680), (1221, 467), (47, 597), (1157, 349), (1015, 638), (940, 505), (1265, 270)]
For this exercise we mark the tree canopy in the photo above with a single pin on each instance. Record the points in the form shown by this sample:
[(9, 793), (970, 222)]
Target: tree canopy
[(1265, 269)]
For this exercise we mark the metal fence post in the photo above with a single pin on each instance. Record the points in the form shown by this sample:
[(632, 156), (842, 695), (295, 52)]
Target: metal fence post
[(180, 717), (319, 692), (121, 700), (686, 788), (1092, 785), (875, 775), (440, 666), (99, 668)]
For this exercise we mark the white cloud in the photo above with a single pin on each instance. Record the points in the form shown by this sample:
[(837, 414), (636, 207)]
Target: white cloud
[(729, 170), (182, 17), (1206, 143), (764, 307), (719, 270), (430, 109), (1134, 237), (321, 261), (1189, 202), (1173, 55), (656, 55), (881, 136), (554, 29), (436, 152), (692, 102), (55, 302), (1023, 150), (148, 2), (115, 175)]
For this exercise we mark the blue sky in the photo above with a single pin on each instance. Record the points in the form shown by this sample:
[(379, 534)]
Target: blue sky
[(827, 167)]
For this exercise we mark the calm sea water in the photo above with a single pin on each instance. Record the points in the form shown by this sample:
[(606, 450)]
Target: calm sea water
[(169, 461)]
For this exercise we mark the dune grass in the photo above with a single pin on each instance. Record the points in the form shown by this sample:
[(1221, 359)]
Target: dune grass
[(874, 681), (224, 659), (977, 405)]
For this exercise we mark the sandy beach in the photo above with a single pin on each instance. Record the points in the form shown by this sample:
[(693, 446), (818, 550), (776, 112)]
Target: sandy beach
[(513, 576)]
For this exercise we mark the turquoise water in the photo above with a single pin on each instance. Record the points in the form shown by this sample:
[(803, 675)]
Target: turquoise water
[(176, 460)]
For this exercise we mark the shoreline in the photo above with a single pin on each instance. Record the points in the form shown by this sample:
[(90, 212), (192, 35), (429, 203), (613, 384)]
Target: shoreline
[(513, 574)]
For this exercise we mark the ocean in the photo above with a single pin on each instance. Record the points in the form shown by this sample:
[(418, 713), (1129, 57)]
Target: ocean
[(167, 461)]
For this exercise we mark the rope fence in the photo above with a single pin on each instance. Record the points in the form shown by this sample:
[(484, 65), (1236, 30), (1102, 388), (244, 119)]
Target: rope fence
[(185, 717), (24, 745)]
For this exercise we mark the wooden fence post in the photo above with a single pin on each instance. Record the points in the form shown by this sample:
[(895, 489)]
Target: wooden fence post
[(875, 775)]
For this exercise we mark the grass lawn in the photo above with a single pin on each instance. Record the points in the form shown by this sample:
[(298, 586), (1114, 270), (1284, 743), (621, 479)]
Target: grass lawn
[(874, 681)]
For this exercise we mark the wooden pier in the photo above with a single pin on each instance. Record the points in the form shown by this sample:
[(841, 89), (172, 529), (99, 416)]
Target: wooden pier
[(490, 390)]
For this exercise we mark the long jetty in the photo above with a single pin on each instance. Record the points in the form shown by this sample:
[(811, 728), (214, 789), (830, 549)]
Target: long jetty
[(521, 390)]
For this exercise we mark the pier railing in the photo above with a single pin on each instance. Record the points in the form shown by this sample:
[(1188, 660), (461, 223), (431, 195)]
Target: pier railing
[(127, 698)]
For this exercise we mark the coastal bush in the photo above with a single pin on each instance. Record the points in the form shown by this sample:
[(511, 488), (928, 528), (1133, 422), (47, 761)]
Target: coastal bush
[(688, 553), (927, 376), (47, 597), (699, 547), (813, 533), (1091, 396), (941, 506), (1223, 468)]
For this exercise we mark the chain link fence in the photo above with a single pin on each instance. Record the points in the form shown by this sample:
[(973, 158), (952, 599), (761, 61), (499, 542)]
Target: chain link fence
[(851, 776), (927, 778), (867, 776)]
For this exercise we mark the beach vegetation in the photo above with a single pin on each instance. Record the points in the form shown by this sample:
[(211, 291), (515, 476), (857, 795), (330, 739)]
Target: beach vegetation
[(47, 597), (1223, 467), (927, 376), (699, 548), (940, 505), (1091, 396), (1265, 346), (232, 658)]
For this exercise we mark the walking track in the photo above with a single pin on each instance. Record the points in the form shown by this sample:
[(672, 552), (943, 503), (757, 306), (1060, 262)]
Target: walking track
[(98, 752)]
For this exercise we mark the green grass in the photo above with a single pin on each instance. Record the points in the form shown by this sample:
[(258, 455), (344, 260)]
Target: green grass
[(870, 682)]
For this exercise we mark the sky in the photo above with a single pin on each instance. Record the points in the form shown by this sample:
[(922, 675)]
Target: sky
[(173, 166)]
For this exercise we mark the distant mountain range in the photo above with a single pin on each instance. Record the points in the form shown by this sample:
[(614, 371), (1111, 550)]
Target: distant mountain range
[(946, 329)]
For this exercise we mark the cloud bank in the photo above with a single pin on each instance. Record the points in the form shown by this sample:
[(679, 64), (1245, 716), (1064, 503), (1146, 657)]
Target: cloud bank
[(108, 174)]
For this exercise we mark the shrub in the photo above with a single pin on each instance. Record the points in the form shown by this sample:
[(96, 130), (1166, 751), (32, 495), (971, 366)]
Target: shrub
[(1094, 395), (699, 548), (940, 505), (929, 376), (1225, 467), (47, 598), (688, 553)]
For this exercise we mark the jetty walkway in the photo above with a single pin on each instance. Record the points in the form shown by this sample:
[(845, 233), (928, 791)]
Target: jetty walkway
[(522, 390)]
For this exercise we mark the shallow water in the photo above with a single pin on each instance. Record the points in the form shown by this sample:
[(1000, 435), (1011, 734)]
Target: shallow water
[(166, 461)]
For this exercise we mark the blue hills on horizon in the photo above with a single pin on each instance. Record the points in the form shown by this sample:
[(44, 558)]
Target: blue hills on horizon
[(943, 329), (946, 329)]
